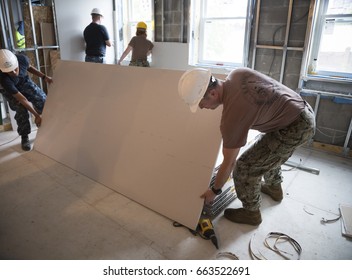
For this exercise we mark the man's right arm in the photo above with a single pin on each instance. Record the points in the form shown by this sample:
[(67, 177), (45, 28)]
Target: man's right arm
[(23, 100), (125, 53)]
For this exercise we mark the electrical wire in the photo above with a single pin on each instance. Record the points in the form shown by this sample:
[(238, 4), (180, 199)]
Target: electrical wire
[(279, 238), (282, 237), (5, 143), (331, 136), (329, 221), (227, 255)]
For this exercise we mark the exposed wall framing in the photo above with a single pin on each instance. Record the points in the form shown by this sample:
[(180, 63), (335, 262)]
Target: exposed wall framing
[(281, 56), (36, 47)]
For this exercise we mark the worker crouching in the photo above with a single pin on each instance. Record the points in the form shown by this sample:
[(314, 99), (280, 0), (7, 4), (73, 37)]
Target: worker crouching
[(22, 94), (250, 100)]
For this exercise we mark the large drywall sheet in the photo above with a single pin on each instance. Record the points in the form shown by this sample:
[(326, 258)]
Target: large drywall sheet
[(127, 128)]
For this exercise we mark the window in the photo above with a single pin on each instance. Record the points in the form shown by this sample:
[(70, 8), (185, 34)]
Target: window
[(220, 31), (332, 40), (139, 10)]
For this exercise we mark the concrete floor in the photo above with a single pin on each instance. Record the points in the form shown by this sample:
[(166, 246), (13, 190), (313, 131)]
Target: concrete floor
[(49, 211)]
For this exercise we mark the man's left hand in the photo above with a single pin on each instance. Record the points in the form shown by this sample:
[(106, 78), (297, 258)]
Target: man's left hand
[(208, 196)]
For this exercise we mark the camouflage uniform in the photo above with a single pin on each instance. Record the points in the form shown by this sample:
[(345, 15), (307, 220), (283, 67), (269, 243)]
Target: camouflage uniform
[(265, 157), (35, 95), (140, 63)]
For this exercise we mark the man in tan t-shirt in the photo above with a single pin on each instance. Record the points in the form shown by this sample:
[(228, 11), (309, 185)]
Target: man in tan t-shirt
[(250, 100), (140, 46)]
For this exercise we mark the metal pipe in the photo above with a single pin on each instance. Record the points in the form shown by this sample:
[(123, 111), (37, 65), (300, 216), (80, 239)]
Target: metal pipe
[(162, 21), (2, 23), (328, 79), (34, 40), (39, 48), (114, 11), (182, 19), (55, 23), (256, 34), (279, 47), (319, 92), (284, 53), (307, 43), (301, 167), (345, 148), (11, 44), (316, 106), (247, 39)]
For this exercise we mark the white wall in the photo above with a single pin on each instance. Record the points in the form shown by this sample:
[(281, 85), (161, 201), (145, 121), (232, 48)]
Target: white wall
[(175, 56), (170, 56), (72, 17)]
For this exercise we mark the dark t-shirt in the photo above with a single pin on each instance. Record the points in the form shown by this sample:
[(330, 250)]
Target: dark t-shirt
[(95, 36), (12, 84)]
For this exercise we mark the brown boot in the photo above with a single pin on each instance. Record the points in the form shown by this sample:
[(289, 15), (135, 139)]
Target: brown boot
[(243, 216), (274, 191)]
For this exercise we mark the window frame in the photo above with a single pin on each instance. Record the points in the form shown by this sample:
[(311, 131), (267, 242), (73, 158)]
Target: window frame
[(319, 19), (197, 31)]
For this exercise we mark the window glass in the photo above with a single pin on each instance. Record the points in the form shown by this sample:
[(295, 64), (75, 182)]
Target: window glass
[(223, 40), (332, 43), (141, 10), (340, 7), (223, 8), (219, 32), (335, 52)]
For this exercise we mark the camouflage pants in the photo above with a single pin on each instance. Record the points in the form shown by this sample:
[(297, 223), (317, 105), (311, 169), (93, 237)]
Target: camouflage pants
[(140, 63), (35, 95), (264, 158)]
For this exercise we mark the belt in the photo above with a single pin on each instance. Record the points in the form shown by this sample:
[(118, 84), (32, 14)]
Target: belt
[(100, 56)]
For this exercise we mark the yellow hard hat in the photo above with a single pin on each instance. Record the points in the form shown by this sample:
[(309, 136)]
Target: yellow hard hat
[(142, 25)]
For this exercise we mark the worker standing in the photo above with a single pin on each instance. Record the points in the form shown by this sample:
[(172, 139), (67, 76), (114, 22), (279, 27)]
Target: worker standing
[(140, 46), (97, 38), (250, 100), (20, 38), (21, 92)]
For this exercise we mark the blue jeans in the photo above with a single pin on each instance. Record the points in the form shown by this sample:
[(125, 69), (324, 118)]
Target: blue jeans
[(95, 59)]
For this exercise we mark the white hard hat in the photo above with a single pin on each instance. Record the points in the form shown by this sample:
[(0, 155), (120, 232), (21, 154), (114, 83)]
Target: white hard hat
[(8, 61), (193, 85), (97, 12)]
